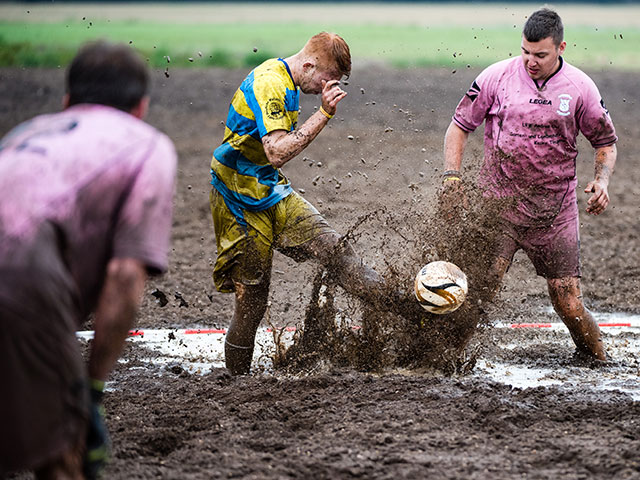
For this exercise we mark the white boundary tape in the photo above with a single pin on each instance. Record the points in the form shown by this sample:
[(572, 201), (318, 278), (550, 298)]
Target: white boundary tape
[(617, 321)]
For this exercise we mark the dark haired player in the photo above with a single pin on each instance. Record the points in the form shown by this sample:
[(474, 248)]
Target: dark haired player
[(85, 215), (534, 107)]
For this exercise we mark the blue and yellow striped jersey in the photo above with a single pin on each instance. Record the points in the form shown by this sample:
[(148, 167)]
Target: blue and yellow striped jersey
[(267, 100)]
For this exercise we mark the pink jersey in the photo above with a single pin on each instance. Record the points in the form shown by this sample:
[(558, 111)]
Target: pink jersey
[(99, 178), (530, 136)]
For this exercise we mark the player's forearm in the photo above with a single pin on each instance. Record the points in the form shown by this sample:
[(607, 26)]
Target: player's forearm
[(455, 141), (604, 163), (115, 315), (285, 146)]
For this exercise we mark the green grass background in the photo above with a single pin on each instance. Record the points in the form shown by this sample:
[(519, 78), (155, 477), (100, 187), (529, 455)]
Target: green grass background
[(200, 44)]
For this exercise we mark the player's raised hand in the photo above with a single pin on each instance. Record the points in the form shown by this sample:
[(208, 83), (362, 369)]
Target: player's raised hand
[(331, 95), (599, 201)]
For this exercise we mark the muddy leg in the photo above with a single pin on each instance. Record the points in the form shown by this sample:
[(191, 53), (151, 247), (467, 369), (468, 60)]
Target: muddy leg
[(567, 301), (358, 279), (251, 303)]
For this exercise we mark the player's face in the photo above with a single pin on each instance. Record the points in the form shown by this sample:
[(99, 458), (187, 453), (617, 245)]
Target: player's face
[(313, 80), (541, 58)]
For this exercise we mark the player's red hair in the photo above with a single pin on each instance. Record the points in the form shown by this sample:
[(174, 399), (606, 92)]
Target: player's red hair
[(332, 49)]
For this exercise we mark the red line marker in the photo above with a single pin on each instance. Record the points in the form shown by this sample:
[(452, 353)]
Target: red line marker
[(136, 333)]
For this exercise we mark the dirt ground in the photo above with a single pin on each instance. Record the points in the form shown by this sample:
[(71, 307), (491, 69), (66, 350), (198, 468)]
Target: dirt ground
[(382, 153)]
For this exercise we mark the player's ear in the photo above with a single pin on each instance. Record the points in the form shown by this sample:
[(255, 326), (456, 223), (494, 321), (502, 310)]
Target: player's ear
[(65, 101), (562, 46), (141, 109)]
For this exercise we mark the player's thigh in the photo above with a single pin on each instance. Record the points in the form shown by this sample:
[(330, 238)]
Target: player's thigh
[(554, 250), (303, 232), (245, 252), (45, 415)]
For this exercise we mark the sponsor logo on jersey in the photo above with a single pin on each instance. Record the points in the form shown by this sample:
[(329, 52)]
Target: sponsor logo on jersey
[(540, 101), (275, 108), (565, 108), (473, 91)]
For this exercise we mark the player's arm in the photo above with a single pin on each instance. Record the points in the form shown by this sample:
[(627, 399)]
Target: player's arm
[(281, 146), (115, 314), (455, 141), (452, 198), (605, 161)]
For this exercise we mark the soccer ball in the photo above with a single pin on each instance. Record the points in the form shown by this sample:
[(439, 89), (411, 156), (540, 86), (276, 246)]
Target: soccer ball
[(441, 287)]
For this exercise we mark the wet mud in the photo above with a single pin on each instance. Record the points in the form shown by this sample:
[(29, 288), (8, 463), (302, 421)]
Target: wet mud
[(374, 407)]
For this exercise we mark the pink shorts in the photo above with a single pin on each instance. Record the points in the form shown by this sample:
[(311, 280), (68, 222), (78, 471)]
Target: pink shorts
[(554, 250)]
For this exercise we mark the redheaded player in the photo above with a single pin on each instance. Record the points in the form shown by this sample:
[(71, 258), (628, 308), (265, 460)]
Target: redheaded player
[(534, 107), (255, 209), (85, 214)]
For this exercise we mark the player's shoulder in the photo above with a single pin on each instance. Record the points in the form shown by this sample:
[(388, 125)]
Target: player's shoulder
[(501, 69), (576, 76), (272, 71), (110, 126)]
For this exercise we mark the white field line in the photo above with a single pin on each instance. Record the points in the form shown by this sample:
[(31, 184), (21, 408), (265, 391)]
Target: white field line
[(198, 351)]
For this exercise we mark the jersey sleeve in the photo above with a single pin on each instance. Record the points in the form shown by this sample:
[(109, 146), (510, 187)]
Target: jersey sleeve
[(143, 225), (267, 101), (593, 118), (476, 103)]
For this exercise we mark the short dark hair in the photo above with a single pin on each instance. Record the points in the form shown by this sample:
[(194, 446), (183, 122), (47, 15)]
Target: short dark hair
[(107, 74), (542, 24)]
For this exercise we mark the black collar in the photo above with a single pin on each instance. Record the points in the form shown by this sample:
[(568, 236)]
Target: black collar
[(540, 87)]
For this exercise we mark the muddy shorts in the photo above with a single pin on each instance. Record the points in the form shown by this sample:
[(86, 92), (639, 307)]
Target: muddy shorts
[(44, 401), (245, 253), (554, 250)]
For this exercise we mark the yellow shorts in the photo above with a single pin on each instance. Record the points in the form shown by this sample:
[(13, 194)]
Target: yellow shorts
[(245, 253)]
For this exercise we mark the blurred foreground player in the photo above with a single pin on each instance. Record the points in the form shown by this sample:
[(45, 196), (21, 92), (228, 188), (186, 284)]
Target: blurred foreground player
[(255, 210), (534, 107), (85, 215)]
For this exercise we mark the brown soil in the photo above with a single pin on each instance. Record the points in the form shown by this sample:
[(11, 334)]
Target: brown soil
[(382, 153)]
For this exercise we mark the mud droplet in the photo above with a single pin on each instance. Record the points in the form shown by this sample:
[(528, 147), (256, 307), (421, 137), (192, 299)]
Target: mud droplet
[(160, 297), (168, 59), (255, 49), (190, 59), (350, 137), (166, 72), (362, 91)]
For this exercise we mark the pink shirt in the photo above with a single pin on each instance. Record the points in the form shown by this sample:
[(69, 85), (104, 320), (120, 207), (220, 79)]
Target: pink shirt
[(530, 136), (101, 178)]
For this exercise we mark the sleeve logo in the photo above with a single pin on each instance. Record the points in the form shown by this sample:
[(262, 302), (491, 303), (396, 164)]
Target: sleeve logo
[(275, 108), (473, 91)]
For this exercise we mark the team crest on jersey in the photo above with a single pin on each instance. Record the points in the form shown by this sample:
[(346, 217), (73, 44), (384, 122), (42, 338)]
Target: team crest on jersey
[(564, 108), (275, 108)]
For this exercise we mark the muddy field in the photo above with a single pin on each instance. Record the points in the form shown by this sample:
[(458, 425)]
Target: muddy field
[(382, 154)]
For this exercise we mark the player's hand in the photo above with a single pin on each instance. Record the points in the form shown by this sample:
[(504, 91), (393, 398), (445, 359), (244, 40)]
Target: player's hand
[(98, 444), (331, 95), (452, 200), (599, 201)]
